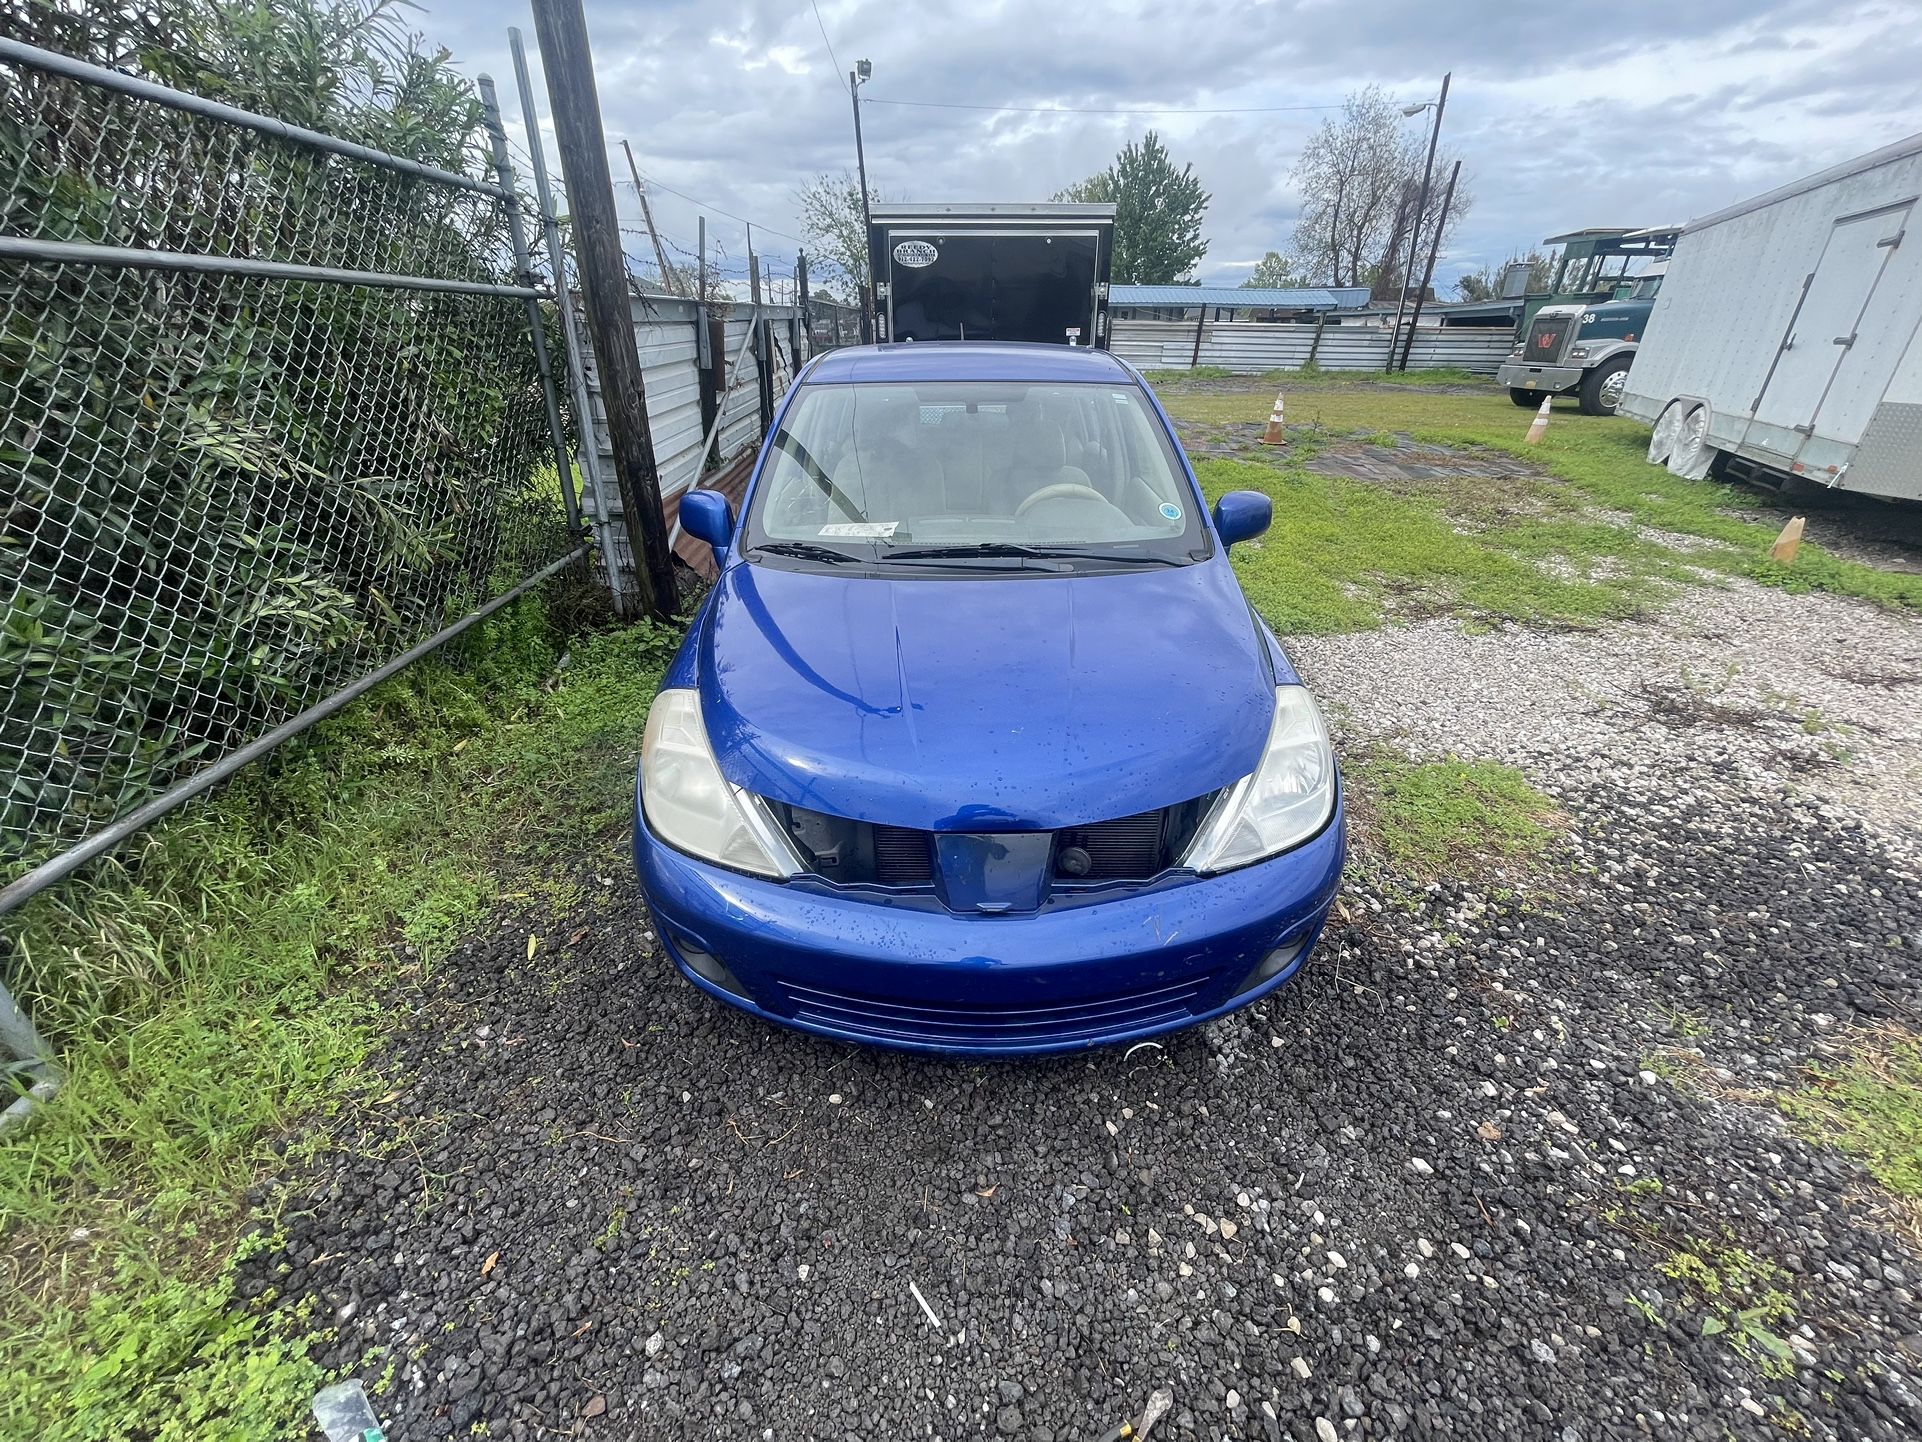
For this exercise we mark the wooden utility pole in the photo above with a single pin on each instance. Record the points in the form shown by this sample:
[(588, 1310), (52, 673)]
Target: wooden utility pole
[(670, 282), (1427, 275), (561, 29), (1421, 209)]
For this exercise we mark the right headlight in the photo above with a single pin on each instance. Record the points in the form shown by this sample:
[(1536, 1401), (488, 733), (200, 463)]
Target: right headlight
[(1284, 801), (694, 808)]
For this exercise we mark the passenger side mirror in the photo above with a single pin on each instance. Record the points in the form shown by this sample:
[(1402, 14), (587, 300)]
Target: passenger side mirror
[(706, 516), (1242, 515)]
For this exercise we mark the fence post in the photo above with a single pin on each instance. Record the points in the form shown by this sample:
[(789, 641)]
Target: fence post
[(800, 283), (1314, 344), (561, 29), (1201, 320), (763, 346), (588, 454), (524, 266), (1428, 275)]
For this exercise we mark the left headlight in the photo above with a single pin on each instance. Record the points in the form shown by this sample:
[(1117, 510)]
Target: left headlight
[(691, 806), (1579, 353), (1284, 801)]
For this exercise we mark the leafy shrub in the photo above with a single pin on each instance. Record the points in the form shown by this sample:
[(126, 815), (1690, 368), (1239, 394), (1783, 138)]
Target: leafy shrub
[(227, 494)]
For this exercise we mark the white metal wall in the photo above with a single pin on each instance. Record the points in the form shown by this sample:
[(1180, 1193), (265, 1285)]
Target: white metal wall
[(1250, 347), (667, 335)]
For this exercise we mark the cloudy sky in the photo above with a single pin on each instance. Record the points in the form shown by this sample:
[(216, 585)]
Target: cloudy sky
[(1625, 113)]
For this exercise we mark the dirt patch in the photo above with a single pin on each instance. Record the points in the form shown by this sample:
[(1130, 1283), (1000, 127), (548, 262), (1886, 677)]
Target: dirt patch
[(1680, 706)]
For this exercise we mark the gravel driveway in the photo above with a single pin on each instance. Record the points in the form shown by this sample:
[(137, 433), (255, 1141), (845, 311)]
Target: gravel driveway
[(1503, 1163)]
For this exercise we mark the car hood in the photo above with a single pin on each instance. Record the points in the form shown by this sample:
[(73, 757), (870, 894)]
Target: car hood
[(985, 703)]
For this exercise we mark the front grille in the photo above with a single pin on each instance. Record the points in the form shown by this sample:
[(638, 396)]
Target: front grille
[(1005, 1027), (1129, 848), (1545, 340), (903, 857)]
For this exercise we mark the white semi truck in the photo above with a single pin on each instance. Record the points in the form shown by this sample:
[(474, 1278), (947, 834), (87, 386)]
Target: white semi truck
[(1786, 342)]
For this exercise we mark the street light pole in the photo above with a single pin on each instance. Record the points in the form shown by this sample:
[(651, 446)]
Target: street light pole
[(862, 70), (1421, 208)]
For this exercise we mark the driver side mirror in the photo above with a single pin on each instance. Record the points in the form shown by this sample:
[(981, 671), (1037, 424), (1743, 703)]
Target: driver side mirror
[(1242, 515), (706, 516)]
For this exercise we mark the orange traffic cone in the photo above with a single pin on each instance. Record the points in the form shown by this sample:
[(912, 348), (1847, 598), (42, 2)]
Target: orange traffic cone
[(1273, 435), (1538, 427)]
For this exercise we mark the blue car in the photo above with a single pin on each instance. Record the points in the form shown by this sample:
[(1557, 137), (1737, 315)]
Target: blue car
[(976, 747)]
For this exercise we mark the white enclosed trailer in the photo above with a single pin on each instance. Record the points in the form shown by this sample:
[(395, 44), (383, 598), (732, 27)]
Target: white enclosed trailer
[(1787, 337)]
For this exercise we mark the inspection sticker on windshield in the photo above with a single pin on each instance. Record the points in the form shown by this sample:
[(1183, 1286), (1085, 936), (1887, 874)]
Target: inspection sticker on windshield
[(1171, 510), (870, 529)]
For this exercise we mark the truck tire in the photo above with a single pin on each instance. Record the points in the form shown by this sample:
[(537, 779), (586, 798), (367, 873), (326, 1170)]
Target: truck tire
[(1693, 451), (1520, 397), (1600, 392), (1668, 425)]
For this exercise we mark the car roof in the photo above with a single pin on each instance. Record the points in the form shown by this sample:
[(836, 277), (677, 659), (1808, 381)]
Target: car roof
[(970, 360)]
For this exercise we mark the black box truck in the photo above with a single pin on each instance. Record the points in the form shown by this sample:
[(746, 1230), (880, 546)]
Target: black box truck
[(992, 272)]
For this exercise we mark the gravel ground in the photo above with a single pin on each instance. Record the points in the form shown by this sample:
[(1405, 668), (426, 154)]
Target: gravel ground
[(1483, 1171), (1743, 688)]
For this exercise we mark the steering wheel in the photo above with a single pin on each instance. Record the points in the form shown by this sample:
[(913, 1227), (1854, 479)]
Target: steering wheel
[(1060, 491)]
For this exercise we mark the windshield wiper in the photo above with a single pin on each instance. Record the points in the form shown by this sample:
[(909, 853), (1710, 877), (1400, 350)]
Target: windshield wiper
[(802, 550), (1018, 548)]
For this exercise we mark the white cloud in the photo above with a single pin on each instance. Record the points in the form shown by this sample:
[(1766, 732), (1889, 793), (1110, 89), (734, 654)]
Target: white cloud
[(1654, 113)]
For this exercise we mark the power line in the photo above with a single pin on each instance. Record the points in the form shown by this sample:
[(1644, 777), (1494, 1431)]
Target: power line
[(1098, 110), (822, 26), (696, 200)]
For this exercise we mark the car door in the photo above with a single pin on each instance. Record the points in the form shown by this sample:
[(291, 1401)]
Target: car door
[(1835, 325)]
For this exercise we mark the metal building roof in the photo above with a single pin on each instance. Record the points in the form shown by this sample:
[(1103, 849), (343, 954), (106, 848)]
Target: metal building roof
[(1344, 297)]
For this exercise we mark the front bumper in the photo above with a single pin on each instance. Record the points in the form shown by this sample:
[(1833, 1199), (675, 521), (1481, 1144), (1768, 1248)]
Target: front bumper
[(1095, 969), (1550, 380)]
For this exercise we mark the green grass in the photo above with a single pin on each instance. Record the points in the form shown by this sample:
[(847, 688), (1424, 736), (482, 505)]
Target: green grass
[(213, 985), (1583, 514), (1198, 373), (1429, 819), (1344, 554), (1872, 1107), (1316, 376)]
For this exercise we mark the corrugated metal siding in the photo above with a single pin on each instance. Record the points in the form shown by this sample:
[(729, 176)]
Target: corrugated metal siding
[(666, 334), (1120, 297), (667, 337), (1250, 347)]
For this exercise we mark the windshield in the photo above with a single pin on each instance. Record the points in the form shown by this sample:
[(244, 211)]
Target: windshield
[(912, 472)]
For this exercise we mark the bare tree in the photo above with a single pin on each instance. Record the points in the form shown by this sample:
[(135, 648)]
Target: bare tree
[(830, 211), (1359, 176), (1486, 283)]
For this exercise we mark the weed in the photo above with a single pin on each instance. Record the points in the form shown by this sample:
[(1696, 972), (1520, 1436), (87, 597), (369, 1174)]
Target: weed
[(210, 986), (1740, 1296), (1435, 818), (1196, 373), (616, 1220), (1872, 1107)]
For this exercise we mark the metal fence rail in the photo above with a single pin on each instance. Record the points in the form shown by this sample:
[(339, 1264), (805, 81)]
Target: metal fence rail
[(271, 415)]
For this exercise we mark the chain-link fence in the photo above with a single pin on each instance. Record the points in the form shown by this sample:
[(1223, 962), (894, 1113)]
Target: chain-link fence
[(271, 413)]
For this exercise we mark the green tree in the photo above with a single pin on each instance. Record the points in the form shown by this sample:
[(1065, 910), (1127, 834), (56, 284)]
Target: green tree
[(1486, 283), (1274, 271), (836, 230), (1158, 211)]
